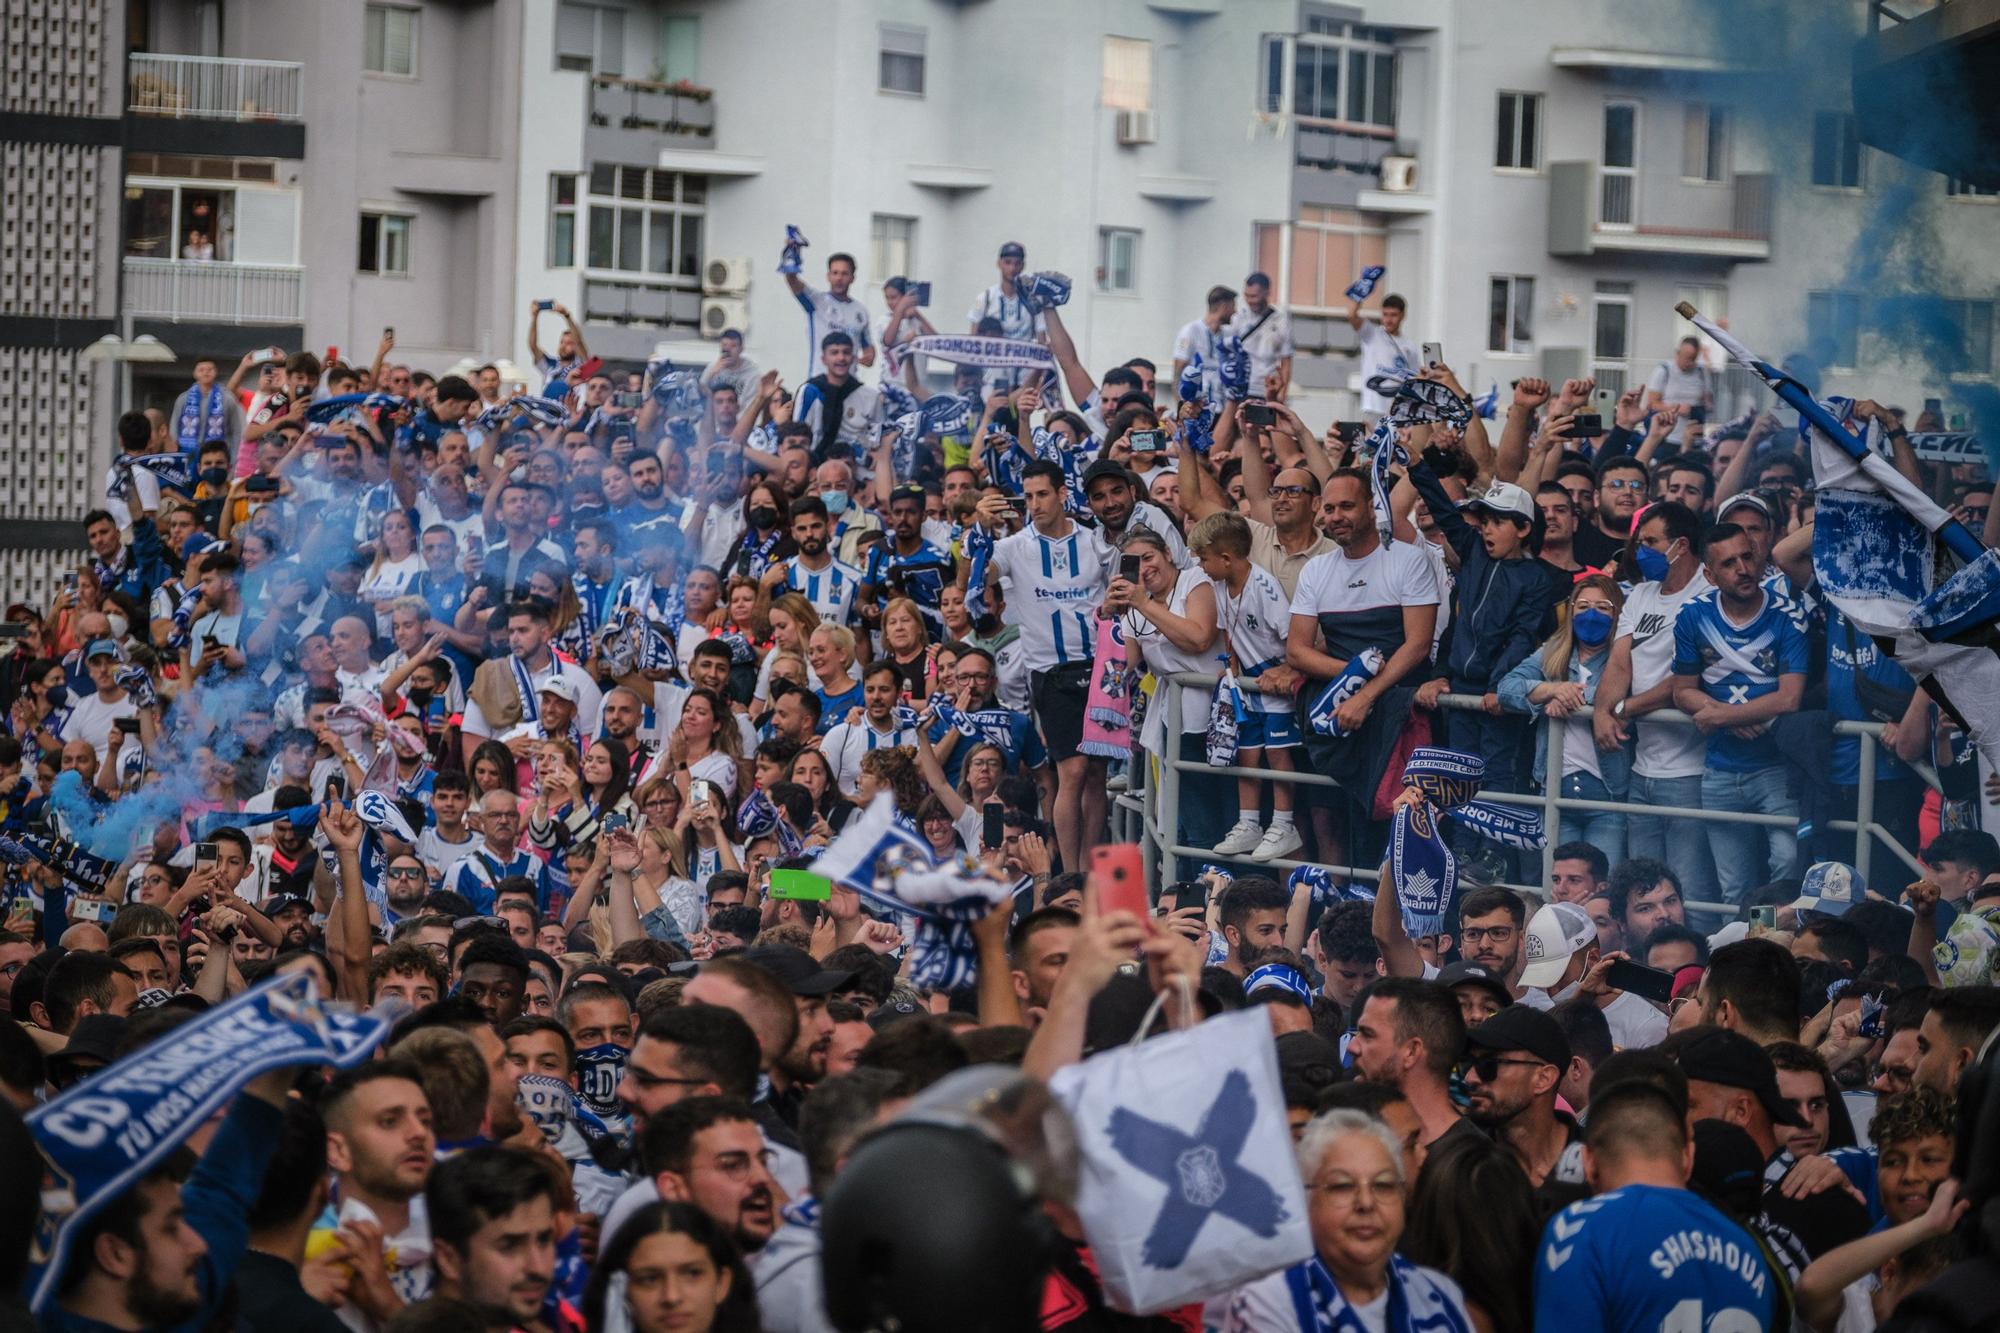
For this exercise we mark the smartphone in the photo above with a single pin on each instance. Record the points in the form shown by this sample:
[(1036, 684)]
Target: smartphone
[(1121, 879), (336, 788), (388, 330), (1433, 354), (1934, 406), (87, 909), (128, 725), (993, 832), (1259, 414), (544, 305), (1018, 503), (1648, 983), (1584, 426), (701, 790), (1147, 441), (1767, 917), (718, 462), (625, 399), (1354, 432), (615, 822), (1128, 568), (13, 629), (922, 291), (205, 853), (259, 484)]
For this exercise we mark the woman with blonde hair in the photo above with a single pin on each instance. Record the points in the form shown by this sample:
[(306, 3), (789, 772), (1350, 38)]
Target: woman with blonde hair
[(906, 641), (396, 565), (792, 620), (830, 653), (1560, 682)]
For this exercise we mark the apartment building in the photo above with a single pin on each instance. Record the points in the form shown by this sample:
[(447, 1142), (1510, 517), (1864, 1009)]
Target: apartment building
[(1543, 181)]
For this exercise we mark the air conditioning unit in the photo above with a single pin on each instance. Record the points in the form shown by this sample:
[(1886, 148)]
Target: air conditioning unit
[(725, 277), (1399, 174), (724, 312), (1136, 127)]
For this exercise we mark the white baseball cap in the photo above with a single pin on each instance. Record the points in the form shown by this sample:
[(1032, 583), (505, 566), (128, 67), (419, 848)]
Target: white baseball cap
[(1555, 933), (1504, 497)]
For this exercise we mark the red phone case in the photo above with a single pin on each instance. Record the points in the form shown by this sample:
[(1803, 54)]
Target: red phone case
[(1121, 879)]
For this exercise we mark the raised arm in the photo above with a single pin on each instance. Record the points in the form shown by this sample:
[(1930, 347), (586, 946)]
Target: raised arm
[(1063, 348)]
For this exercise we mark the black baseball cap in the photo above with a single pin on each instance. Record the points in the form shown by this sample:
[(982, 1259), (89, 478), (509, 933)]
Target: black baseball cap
[(1013, 250), (1104, 467), (1463, 973), (1734, 1061), (1521, 1028), (799, 970)]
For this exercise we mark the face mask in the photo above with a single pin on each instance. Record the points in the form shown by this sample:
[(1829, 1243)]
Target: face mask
[(214, 476), (420, 699), (1592, 626), (763, 517), (1653, 565), (598, 1069), (120, 626), (835, 502)]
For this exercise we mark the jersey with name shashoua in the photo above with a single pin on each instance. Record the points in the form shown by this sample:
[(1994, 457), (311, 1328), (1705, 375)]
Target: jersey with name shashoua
[(1359, 603), (1645, 1258), (1054, 587)]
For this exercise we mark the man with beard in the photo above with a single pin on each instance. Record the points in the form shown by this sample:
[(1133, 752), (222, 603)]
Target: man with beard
[(164, 1253), (1408, 1037), (622, 715), (1113, 499), (802, 1061), (1253, 920), (293, 918), (1491, 923), (1037, 951), (707, 1151), (1621, 490), (906, 565), (380, 1147), (1515, 1061), (813, 573), (493, 1233)]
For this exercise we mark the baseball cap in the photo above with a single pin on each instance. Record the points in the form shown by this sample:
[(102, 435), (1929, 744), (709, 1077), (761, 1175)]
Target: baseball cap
[(559, 687), (1830, 888), (1734, 1061), (1104, 467), (799, 970), (1520, 1027), (103, 648), (1555, 932), (1505, 498), (1463, 973), (1013, 250), (283, 903), (1740, 499)]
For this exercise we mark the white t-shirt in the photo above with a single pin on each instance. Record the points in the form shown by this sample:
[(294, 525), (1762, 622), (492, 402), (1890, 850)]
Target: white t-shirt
[(1054, 586), (827, 313), (1165, 657), (1015, 321), (1682, 387), (1257, 621), (1270, 344), (1664, 749), (588, 699), (1383, 353), (1634, 1023), (844, 747), (1365, 597), (90, 719), (149, 497)]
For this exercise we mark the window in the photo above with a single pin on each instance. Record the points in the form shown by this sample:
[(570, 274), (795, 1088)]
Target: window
[(1348, 76), (590, 39), (680, 48), (1329, 246), (1972, 351), (891, 247), (389, 40), (1519, 145), (1705, 143), (562, 221), (1836, 151), (645, 220), (1510, 321), (385, 243), (901, 69), (1117, 260), (1954, 188), (1128, 74), (1833, 321)]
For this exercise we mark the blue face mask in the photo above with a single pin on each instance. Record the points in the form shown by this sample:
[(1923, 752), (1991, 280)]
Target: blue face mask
[(1592, 626), (1653, 566), (835, 502)]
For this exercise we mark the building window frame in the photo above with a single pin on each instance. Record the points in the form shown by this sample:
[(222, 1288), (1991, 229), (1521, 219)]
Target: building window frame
[(902, 62), (1125, 76), (376, 49), (565, 190), (1838, 153), (1974, 318), (623, 205), (1118, 260), (1705, 145), (600, 59), (1518, 133), (385, 242), (1510, 320), (892, 247)]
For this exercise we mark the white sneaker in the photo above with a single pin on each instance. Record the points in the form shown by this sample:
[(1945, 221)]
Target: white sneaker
[(1240, 839), (1279, 840)]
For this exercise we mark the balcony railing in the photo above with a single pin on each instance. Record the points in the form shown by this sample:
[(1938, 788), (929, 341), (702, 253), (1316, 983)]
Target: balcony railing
[(663, 108), (212, 88), (214, 291)]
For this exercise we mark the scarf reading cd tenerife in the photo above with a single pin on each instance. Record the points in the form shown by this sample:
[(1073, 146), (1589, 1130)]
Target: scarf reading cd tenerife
[(1903, 570)]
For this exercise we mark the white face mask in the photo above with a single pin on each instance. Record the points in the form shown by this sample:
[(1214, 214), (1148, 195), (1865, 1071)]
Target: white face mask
[(120, 626)]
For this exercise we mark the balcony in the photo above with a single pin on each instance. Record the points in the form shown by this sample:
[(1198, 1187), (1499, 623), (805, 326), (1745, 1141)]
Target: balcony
[(1593, 210), (1952, 52), (611, 300), (214, 106), (633, 120), (206, 291)]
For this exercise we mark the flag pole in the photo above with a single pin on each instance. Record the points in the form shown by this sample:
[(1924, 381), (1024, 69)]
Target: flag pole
[(1955, 535)]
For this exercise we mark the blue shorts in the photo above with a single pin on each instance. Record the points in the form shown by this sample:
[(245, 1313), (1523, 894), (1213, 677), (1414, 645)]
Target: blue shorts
[(1269, 731)]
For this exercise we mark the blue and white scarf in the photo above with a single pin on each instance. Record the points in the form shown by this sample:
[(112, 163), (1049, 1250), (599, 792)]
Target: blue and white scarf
[(1364, 286), (203, 417), (1321, 713), (979, 553), (524, 689), (1421, 864), (757, 554), (1384, 453), (1417, 1304), (329, 410)]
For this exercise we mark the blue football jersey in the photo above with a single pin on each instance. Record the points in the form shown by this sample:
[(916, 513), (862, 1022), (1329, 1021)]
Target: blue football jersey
[(1738, 663), (1643, 1258)]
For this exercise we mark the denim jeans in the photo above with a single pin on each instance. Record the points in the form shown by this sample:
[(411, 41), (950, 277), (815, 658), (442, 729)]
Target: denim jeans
[(1681, 843), (1747, 855), (1602, 829), (1207, 803)]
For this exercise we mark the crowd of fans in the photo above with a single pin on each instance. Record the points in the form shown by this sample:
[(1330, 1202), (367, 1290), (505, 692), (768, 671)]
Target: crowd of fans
[(503, 708)]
